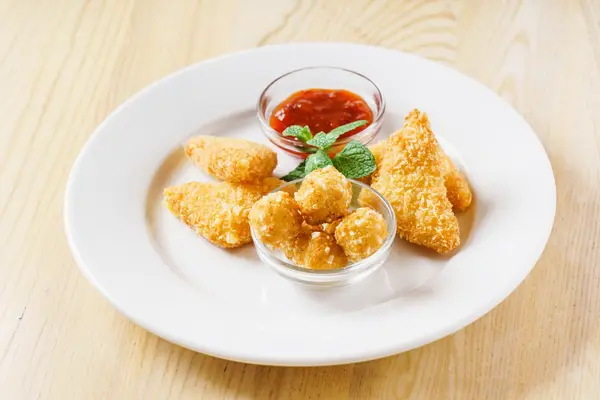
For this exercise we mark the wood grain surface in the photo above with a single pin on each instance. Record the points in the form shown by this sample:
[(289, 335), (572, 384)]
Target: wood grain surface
[(66, 64)]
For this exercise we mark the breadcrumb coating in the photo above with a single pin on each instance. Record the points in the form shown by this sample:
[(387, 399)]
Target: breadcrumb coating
[(266, 185), (307, 228), (361, 233), (276, 219), (456, 183), (324, 196), (295, 249), (411, 179), (217, 211), (317, 250), (231, 160), (330, 227)]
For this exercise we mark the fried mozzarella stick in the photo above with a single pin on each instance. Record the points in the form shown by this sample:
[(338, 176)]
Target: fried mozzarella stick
[(411, 179), (218, 211), (231, 160)]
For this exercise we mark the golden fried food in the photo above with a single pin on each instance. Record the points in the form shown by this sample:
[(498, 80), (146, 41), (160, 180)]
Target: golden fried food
[(317, 250), (295, 249), (307, 228), (456, 183), (361, 233), (324, 196), (231, 160), (276, 219), (367, 198), (330, 227), (266, 185), (411, 179), (378, 151), (217, 211)]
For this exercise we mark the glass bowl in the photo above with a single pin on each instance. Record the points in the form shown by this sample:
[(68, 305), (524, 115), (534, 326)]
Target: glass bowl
[(339, 276), (320, 77)]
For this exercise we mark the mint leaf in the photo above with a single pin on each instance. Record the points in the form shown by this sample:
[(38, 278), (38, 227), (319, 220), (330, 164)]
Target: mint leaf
[(355, 160), (299, 132), (322, 141), (296, 173), (325, 141), (340, 130), (320, 159)]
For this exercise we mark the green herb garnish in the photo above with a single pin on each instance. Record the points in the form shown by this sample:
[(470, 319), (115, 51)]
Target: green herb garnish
[(318, 160), (300, 132), (354, 161), (296, 173)]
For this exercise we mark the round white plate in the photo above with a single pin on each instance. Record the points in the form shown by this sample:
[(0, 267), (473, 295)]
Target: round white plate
[(160, 274)]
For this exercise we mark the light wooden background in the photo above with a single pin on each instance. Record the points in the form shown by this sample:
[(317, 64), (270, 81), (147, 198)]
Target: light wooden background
[(65, 64)]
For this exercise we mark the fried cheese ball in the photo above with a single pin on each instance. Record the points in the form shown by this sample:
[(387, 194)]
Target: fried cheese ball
[(324, 196), (231, 160), (307, 228), (361, 233), (411, 179), (366, 198), (295, 249), (217, 211), (330, 227), (276, 219), (317, 250)]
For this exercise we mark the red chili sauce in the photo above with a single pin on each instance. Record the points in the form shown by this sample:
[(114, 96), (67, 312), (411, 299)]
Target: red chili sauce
[(321, 110)]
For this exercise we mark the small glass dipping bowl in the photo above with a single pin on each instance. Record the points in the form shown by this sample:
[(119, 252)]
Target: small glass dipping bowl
[(322, 77), (339, 276)]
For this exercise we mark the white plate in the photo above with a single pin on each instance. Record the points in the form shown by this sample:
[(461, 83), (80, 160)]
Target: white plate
[(228, 304)]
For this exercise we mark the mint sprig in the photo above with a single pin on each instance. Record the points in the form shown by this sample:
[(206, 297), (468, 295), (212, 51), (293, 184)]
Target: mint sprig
[(340, 130), (326, 140), (300, 132), (316, 161), (354, 161)]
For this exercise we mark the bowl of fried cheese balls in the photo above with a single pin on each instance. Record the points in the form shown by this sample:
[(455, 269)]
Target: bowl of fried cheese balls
[(323, 229)]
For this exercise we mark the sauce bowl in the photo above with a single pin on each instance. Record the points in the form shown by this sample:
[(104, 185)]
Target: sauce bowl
[(318, 77)]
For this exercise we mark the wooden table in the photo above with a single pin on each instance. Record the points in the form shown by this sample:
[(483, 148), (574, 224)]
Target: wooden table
[(66, 64)]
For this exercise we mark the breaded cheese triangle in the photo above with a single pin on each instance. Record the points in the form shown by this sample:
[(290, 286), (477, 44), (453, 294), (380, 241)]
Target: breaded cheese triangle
[(218, 211), (411, 179), (456, 183), (230, 159)]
